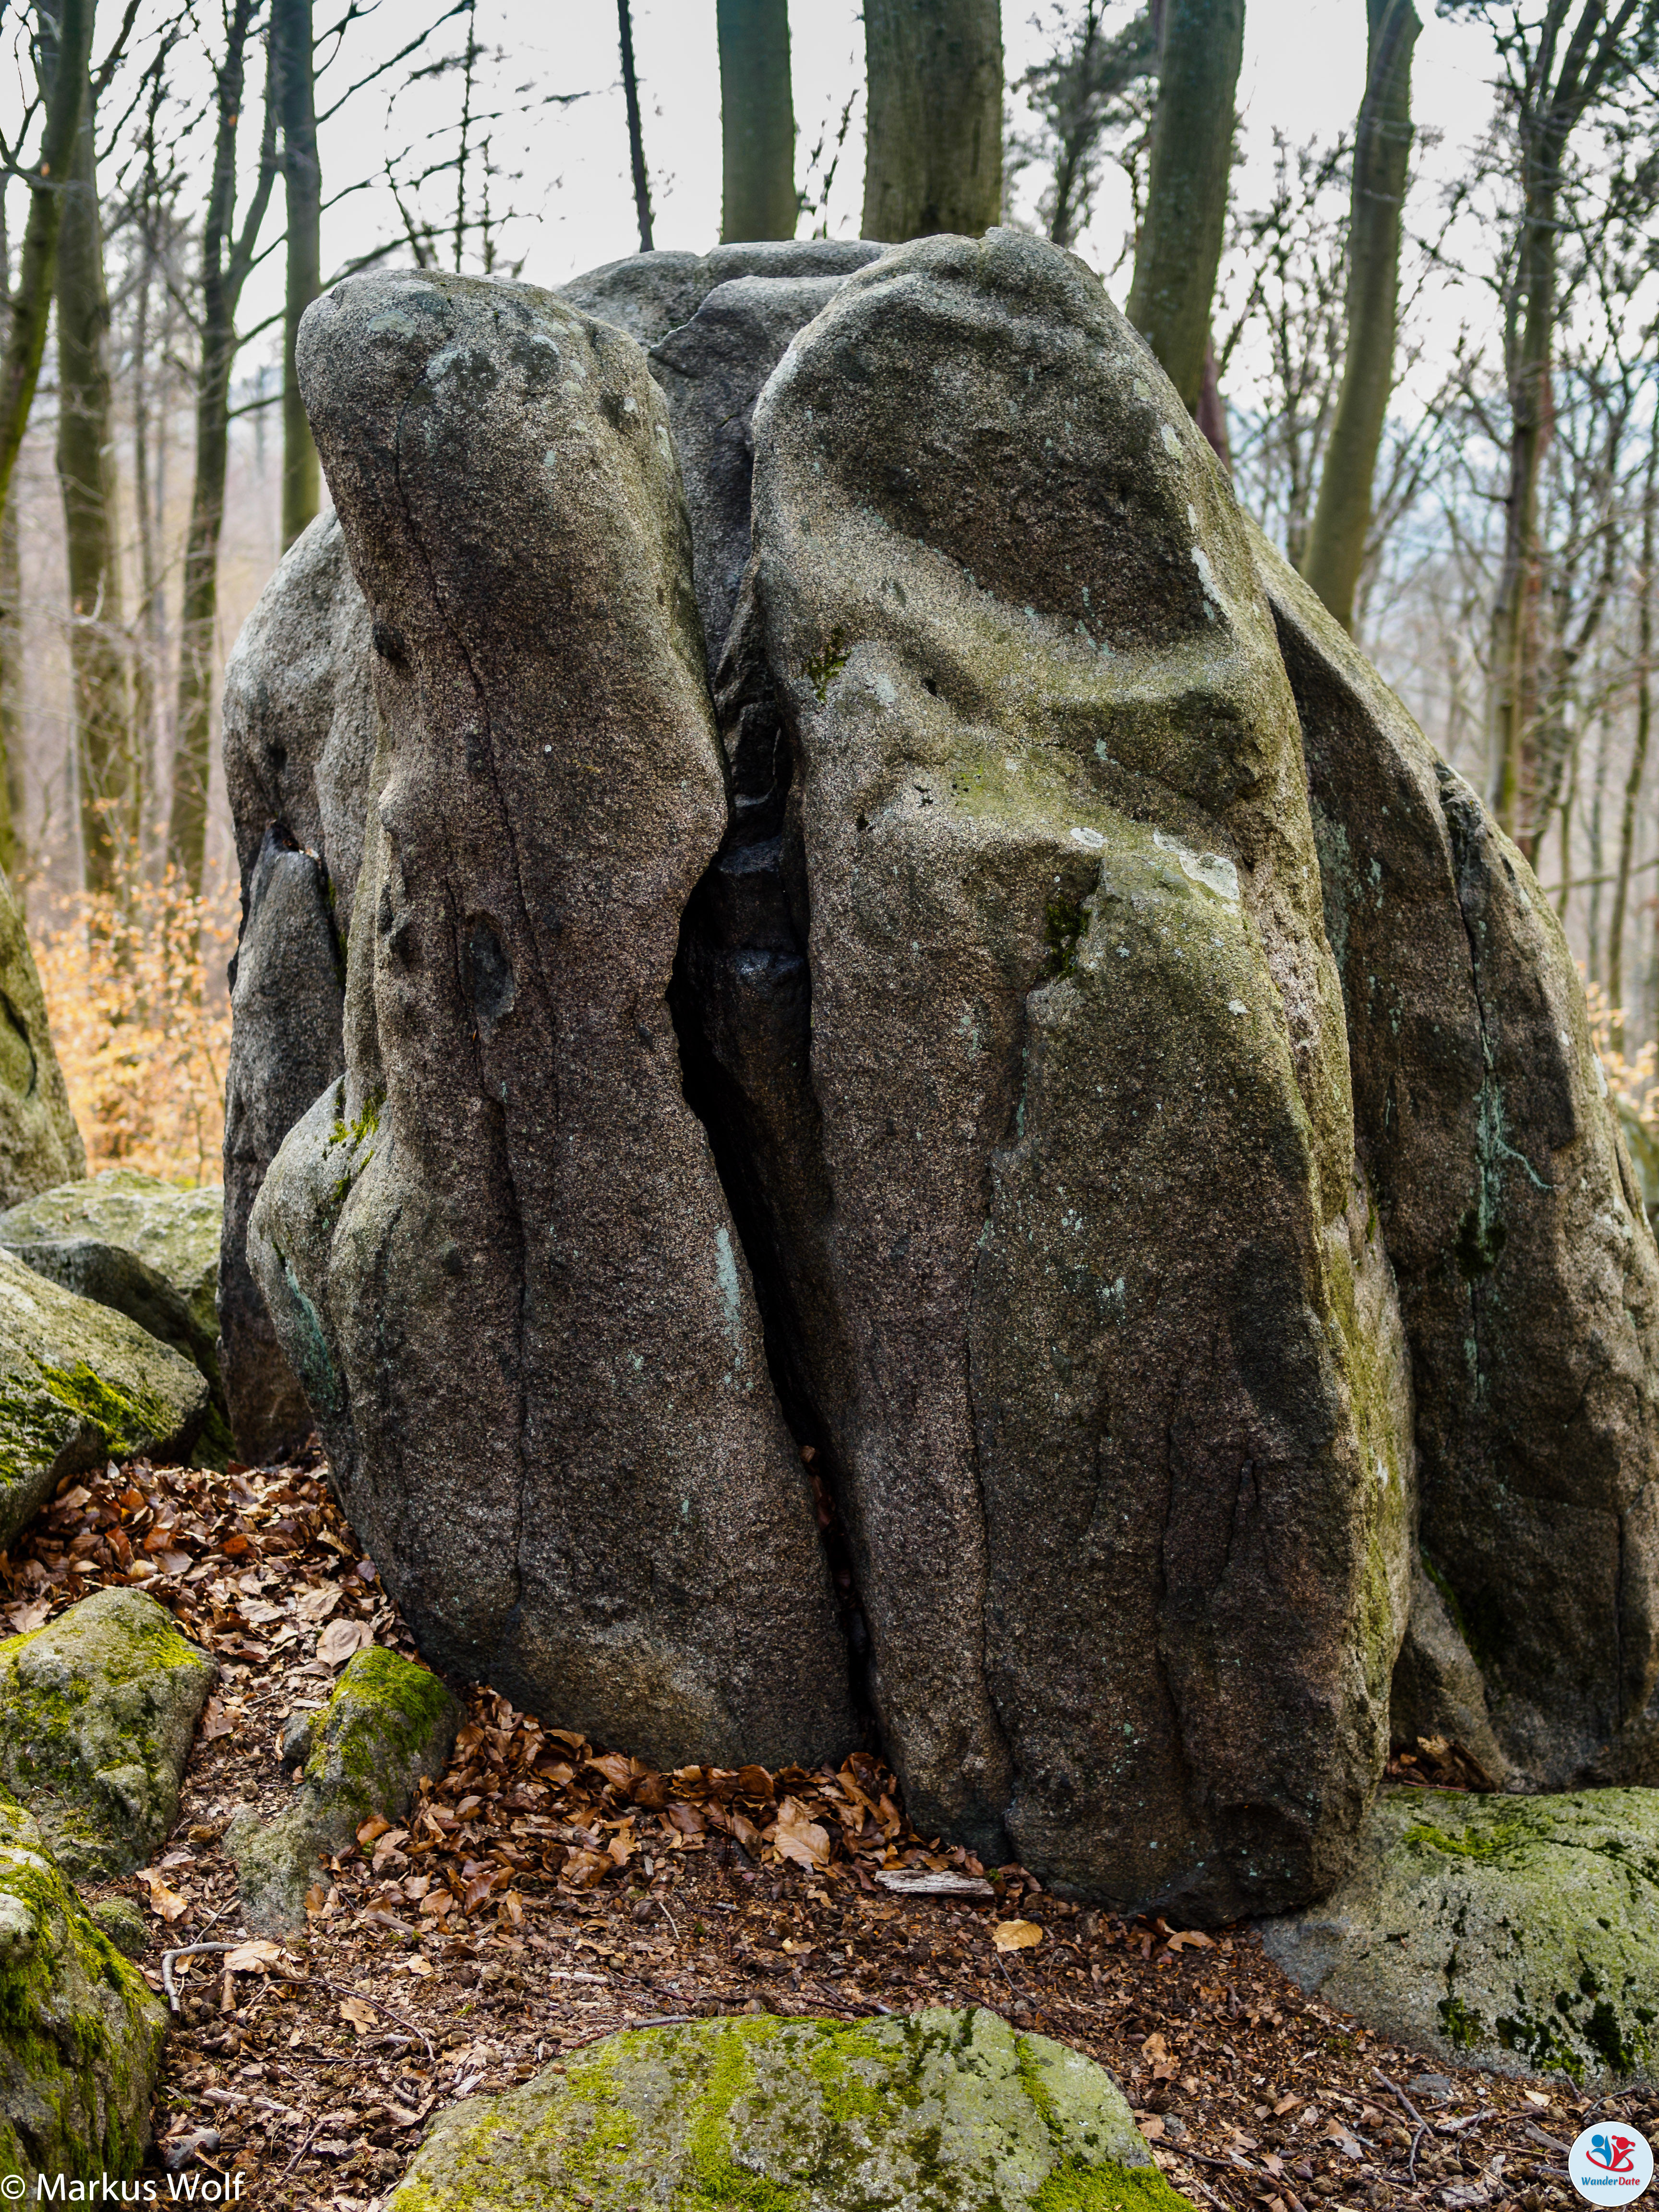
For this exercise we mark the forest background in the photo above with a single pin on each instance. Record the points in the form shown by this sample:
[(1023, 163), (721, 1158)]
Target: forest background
[(240, 155)]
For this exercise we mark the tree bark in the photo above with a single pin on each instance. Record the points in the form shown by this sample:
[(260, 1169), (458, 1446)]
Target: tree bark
[(1639, 758), (30, 303), (1382, 159), (295, 67), (757, 121), (636, 131), (933, 143), (1179, 249), (11, 696), (224, 269), (101, 693)]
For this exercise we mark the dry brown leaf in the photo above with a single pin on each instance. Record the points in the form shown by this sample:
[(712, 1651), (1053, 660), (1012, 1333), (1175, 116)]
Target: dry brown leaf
[(800, 1838), (362, 2016), (27, 1618), (167, 1904), (252, 1957), (317, 1604), (341, 1638), (1016, 1935), (376, 1825)]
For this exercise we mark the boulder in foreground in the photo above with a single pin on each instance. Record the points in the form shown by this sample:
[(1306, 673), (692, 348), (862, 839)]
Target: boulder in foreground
[(1513, 1934), (944, 2107), (97, 1712), (83, 2037)]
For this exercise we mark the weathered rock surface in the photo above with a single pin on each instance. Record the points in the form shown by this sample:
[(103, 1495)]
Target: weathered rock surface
[(135, 1244), (1529, 1280), (388, 1723), (1063, 1243), (80, 1384), (1510, 1933), (97, 1712), (39, 1143), (299, 742), (649, 294), (538, 1333), (942, 2108), (82, 2043), (1437, 1690)]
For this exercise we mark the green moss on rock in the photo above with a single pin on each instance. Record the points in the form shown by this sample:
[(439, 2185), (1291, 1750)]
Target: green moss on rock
[(80, 2033), (1509, 1933), (944, 2111), (97, 1712), (388, 1723)]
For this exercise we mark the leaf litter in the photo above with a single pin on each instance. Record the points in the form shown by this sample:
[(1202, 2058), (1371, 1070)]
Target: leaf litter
[(547, 1890)]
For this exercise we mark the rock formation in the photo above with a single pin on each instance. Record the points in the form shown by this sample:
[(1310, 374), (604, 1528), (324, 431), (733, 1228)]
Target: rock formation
[(39, 1143), (526, 1289), (1529, 1280), (299, 746)]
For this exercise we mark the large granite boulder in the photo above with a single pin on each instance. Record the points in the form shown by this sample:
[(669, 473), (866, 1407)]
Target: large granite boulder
[(388, 1723), (131, 1242), (81, 2049), (944, 2108), (1528, 1279), (524, 1297), (97, 1712), (80, 1384), (1063, 1232), (649, 294), (299, 742), (39, 1142), (1513, 1934)]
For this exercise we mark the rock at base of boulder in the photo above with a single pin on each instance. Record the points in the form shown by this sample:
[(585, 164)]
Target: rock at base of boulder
[(79, 1385), (83, 2033), (39, 1143), (946, 2107), (123, 1923), (1437, 1689), (97, 1712), (388, 1723), (1509, 1932)]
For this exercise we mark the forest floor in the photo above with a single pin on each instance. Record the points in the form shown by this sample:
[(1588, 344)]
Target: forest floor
[(544, 1893)]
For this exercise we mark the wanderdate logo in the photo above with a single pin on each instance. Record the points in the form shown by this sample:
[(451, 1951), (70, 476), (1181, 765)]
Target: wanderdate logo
[(1611, 2162)]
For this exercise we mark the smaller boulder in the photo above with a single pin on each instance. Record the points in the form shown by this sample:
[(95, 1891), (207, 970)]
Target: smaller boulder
[(123, 1923), (944, 2107), (83, 2032), (80, 1384), (1513, 1934), (388, 1723), (138, 1244), (97, 1712)]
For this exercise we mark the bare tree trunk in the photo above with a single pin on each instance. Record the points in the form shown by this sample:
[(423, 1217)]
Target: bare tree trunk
[(636, 133), (1639, 758), (1179, 249), (1211, 413), (12, 851), (1381, 158), (30, 303), (934, 137), (295, 70), (757, 121), (224, 269)]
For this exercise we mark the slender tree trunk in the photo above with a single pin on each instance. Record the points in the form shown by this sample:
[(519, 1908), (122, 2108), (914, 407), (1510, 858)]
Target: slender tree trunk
[(1179, 249), (30, 303), (291, 35), (1381, 158), (757, 121), (12, 854), (635, 133), (147, 658), (1211, 413), (1639, 758), (85, 476), (933, 140)]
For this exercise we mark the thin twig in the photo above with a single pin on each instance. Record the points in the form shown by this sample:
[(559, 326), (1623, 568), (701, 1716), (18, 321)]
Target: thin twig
[(301, 2152), (666, 1915), (380, 2005), (186, 1951)]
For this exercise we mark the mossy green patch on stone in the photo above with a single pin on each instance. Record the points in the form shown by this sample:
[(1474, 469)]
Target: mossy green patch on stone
[(944, 2112)]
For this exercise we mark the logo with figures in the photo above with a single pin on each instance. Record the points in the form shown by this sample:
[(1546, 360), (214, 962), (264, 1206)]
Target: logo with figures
[(1611, 2160)]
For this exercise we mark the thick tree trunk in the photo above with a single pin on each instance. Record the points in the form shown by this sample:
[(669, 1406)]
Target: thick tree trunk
[(757, 121), (101, 696), (1638, 759), (1179, 249), (635, 130), (30, 303), (1381, 158), (934, 145), (291, 33)]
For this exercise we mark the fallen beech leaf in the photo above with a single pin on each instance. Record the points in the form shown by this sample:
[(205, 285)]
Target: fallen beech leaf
[(362, 2016), (316, 1898), (754, 1783), (252, 1957), (747, 1834), (24, 1618), (1151, 2127), (476, 1892), (800, 1838), (614, 1768), (167, 1904), (1285, 2105), (318, 1604), (214, 1723), (375, 1826), (341, 1638), (650, 1793), (1016, 1935)]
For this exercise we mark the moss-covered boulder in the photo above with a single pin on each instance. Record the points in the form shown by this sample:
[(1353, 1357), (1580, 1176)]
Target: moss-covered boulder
[(1510, 1933), (97, 1712), (131, 1242), (943, 2109), (80, 1384), (388, 1723), (80, 2034)]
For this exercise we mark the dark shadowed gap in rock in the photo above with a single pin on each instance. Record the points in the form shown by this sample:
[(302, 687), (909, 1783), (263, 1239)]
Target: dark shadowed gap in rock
[(741, 1003)]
